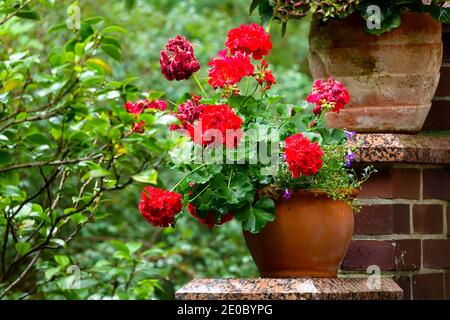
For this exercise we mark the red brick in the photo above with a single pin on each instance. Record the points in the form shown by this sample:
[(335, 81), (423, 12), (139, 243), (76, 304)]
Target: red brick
[(428, 286), (444, 83), (436, 254), (436, 184), (447, 285), (386, 254), (383, 219), (407, 254), (439, 116), (448, 220), (405, 283), (393, 183), (428, 219)]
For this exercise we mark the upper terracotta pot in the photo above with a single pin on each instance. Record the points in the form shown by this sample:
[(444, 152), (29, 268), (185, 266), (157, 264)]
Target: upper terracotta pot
[(391, 78)]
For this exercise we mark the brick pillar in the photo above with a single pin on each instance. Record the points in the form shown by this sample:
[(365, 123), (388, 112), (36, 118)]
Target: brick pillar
[(404, 225)]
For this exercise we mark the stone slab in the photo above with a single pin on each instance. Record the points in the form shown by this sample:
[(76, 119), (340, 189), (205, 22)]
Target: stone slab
[(404, 148), (289, 289)]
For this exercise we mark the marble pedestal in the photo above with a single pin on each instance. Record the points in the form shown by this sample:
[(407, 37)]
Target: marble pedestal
[(290, 289)]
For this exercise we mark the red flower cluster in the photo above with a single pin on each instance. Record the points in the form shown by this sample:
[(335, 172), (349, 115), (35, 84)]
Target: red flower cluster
[(177, 60), (188, 112), (209, 220), (332, 92), (229, 70), (218, 121), (139, 106), (251, 39), (159, 207), (303, 157), (264, 76)]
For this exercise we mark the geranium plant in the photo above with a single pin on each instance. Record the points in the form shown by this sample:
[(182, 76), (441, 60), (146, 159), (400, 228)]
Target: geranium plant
[(385, 13), (242, 149)]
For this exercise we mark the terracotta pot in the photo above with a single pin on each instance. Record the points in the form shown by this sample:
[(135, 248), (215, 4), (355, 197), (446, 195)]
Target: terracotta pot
[(308, 238), (391, 78)]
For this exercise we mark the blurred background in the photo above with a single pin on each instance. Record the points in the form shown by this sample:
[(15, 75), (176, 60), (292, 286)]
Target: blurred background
[(121, 255)]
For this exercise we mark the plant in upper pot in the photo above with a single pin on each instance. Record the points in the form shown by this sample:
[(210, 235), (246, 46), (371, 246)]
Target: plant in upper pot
[(381, 15), (387, 53), (244, 153)]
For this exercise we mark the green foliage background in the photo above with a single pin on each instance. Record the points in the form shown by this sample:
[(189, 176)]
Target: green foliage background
[(121, 256)]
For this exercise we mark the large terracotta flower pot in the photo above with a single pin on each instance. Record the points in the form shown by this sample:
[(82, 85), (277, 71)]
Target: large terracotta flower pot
[(308, 238), (391, 78)]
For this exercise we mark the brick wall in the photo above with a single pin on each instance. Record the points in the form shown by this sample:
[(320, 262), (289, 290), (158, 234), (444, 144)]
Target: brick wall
[(404, 229)]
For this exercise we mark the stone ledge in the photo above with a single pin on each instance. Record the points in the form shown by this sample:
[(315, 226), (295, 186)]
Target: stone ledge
[(404, 148), (288, 289)]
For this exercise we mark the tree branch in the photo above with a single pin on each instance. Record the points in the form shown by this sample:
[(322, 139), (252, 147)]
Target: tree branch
[(48, 163), (13, 14)]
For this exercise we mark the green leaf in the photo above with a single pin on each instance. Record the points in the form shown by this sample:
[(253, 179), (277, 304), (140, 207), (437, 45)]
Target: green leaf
[(58, 242), (112, 51), (113, 29), (120, 246), (253, 6), (241, 190), (22, 248), (148, 176), (133, 246), (5, 158), (265, 12), (63, 261), (38, 139), (111, 41), (254, 218), (203, 175), (98, 173), (27, 13)]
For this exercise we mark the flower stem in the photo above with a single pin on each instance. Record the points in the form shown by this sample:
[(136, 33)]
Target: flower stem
[(199, 194), (200, 86), (186, 176)]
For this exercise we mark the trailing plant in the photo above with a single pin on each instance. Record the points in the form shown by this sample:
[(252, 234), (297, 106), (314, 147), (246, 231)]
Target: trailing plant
[(383, 15)]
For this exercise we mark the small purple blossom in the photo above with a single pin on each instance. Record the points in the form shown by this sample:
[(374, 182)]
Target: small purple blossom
[(349, 157), (283, 157), (349, 134), (287, 194)]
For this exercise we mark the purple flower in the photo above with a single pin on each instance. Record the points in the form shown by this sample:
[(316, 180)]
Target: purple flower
[(283, 157), (287, 194), (349, 134), (349, 157)]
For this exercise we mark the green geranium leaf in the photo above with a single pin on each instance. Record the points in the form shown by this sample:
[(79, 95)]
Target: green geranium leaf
[(240, 190), (255, 217)]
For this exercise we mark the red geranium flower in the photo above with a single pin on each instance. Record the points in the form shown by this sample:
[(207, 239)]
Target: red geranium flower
[(139, 106), (177, 60), (303, 157), (209, 220), (159, 207), (229, 70), (218, 121), (251, 39), (328, 92), (264, 76), (187, 113)]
